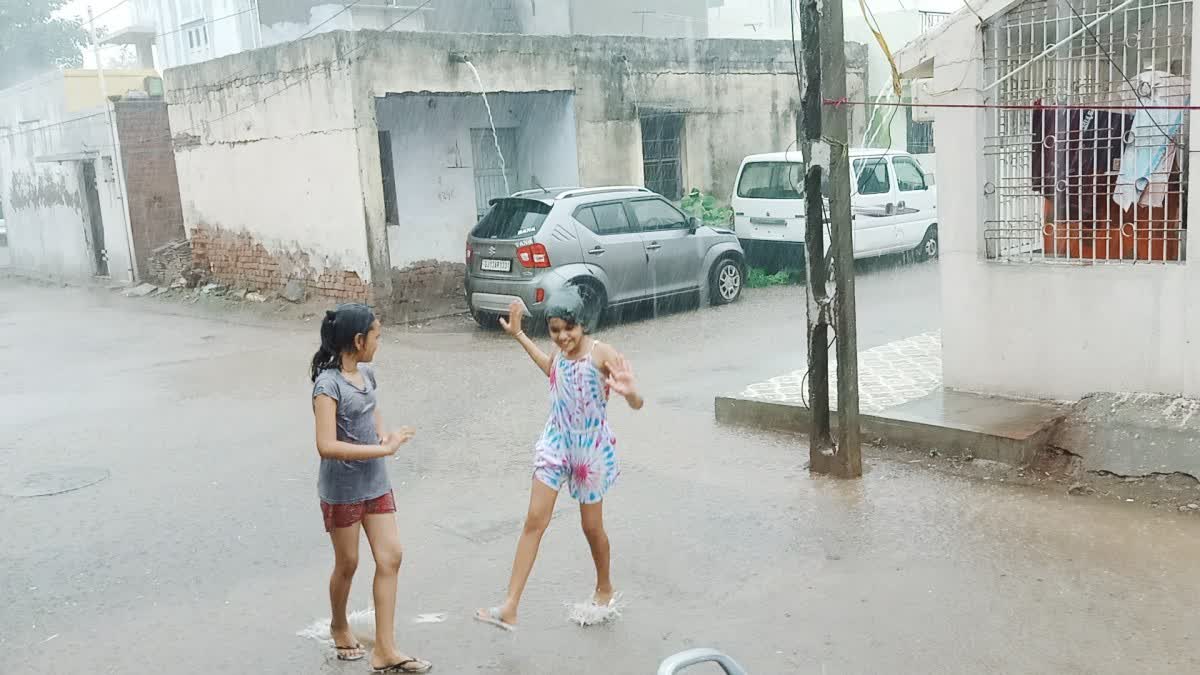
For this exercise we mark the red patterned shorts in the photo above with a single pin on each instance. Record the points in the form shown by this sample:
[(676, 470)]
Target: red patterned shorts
[(345, 515)]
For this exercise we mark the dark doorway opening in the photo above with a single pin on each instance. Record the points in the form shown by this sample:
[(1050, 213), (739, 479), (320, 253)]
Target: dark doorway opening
[(95, 229), (391, 213)]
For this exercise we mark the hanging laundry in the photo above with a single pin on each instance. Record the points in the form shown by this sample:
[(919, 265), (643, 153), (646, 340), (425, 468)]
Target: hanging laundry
[(1075, 157), (1150, 149)]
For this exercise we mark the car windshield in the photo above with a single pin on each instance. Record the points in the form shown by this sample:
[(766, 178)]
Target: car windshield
[(512, 219), (775, 180)]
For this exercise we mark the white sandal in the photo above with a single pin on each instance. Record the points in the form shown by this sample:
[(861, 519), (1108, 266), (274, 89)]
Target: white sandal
[(492, 618)]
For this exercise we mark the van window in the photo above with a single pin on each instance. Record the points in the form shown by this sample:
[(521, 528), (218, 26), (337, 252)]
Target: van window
[(908, 175), (772, 180), (873, 176), (512, 219)]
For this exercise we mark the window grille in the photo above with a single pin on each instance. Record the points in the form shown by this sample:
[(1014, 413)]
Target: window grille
[(662, 150), (1086, 172)]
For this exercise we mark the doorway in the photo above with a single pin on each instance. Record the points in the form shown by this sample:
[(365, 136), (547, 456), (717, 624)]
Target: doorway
[(94, 232)]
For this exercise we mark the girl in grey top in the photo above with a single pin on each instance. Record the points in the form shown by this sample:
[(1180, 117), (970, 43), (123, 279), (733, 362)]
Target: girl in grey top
[(353, 483)]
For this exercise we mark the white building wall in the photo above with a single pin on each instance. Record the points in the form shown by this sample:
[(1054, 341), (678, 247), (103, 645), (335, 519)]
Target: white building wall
[(44, 204), (434, 167), (1044, 330), (271, 161), (334, 16)]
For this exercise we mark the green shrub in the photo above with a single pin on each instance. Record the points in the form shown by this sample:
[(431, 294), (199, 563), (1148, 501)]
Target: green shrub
[(758, 278), (706, 208)]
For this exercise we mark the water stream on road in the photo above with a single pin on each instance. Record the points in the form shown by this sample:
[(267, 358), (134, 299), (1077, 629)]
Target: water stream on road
[(492, 122)]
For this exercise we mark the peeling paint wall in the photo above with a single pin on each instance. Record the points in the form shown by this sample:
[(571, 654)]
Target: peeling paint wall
[(266, 146), (46, 212)]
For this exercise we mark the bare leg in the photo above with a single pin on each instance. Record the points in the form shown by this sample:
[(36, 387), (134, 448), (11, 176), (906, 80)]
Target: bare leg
[(592, 517), (541, 508), (345, 562), (385, 547)]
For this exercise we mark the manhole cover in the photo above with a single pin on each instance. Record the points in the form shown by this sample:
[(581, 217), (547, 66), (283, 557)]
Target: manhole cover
[(58, 481)]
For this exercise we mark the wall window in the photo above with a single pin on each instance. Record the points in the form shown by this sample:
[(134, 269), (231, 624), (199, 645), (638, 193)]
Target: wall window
[(920, 135), (1095, 171), (195, 34), (662, 149)]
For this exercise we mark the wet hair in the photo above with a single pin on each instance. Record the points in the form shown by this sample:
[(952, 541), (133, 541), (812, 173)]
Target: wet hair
[(339, 329), (566, 304)]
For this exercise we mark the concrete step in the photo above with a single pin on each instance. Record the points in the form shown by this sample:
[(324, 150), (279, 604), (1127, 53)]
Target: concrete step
[(951, 422)]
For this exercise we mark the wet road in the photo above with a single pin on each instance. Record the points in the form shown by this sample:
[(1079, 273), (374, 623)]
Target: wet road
[(203, 551)]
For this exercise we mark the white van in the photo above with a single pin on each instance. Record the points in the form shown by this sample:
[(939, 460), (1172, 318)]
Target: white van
[(893, 204)]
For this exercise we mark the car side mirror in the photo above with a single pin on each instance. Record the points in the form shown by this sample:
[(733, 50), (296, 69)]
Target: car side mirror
[(693, 224)]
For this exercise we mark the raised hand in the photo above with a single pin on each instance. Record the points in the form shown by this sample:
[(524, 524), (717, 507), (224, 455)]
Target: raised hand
[(620, 377), (512, 325)]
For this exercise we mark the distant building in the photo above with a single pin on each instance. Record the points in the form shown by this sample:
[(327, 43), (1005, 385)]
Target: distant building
[(171, 33), (363, 175), (75, 204), (894, 127)]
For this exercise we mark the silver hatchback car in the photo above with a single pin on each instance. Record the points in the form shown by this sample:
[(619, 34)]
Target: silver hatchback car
[(618, 245)]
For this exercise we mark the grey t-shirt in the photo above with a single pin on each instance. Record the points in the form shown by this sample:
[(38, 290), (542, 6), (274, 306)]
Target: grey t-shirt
[(342, 482)]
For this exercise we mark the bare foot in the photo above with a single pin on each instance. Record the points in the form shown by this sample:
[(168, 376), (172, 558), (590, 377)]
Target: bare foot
[(603, 596), (347, 646)]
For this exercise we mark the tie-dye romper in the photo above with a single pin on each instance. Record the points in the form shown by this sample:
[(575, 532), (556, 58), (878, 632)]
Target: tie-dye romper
[(577, 447)]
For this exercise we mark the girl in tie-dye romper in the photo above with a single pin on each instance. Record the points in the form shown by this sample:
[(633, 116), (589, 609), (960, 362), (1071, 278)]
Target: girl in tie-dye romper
[(577, 448)]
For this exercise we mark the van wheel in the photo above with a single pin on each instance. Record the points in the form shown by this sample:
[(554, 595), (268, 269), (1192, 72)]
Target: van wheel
[(726, 281), (594, 304), (928, 249)]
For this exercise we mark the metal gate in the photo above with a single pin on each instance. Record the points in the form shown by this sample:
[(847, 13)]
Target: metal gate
[(493, 171)]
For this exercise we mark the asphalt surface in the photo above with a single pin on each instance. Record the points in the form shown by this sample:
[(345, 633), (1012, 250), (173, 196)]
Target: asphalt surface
[(202, 548)]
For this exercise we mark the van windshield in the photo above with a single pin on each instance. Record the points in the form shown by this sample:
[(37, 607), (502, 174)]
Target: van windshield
[(774, 180), (512, 219)]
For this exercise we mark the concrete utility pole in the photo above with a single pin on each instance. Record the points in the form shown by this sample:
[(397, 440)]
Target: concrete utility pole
[(828, 148), (816, 157)]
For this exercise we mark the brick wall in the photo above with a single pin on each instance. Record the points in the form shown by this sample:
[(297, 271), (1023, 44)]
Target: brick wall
[(427, 280), (155, 214), (238, 259)]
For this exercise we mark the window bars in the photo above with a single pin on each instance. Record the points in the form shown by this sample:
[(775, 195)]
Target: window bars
[(1089, 162)]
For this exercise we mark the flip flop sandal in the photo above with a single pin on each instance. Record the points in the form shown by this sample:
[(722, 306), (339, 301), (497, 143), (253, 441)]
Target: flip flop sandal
[(493, 619), (406, 666), (353, 657)]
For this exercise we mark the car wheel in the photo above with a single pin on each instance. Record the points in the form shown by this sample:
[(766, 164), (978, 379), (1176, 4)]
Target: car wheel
[(594, 301), (726, 281), (928, 249), (486, 321)]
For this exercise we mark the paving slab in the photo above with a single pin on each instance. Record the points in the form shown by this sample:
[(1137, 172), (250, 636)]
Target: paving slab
[(904, 403)]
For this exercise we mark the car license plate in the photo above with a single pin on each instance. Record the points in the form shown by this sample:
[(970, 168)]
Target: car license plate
[(493, 265)]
